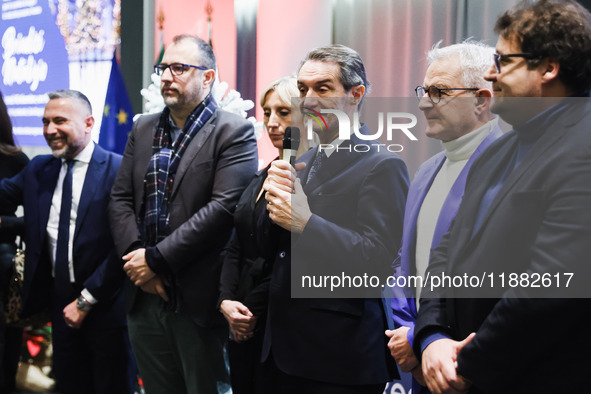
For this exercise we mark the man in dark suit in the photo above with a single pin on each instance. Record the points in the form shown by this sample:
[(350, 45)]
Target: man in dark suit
[(171, 214), (70, 264), (525, 218), (455, 100), (345, 219)]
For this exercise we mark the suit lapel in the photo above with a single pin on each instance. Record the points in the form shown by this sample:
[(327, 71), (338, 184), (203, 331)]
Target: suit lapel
[(192, 150), (417, 194), (486, 177), (96, 170), (546, 142), (307, 158), (246, 205), (48, 177), (454, 198), (332, 166)]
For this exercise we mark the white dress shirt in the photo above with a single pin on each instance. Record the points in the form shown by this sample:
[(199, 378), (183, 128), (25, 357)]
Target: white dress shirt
[(79, 169)]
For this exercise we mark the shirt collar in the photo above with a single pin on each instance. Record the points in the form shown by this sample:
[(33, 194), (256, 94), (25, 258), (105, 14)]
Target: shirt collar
[(332, 147), (463, 147), (171, 123), (85, 155)]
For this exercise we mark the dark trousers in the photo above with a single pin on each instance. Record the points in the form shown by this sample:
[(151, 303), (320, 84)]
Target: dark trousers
[(91, 360), (289, 384), (247, 373), (175, 355)]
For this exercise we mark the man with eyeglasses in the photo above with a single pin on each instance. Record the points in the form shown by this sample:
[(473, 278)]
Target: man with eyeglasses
[(455, 100), (171, 214), (525, 214)]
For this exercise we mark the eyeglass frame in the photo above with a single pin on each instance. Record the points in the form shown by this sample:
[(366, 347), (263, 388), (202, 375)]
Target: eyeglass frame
[(498, 56), (160, 68), (439, 90)]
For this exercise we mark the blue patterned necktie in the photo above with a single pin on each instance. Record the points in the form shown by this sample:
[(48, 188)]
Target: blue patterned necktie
[(316, 164), (62, 270)]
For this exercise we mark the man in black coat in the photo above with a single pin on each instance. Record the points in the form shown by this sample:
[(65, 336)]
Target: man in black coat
[(524, 226), (171, 214), (346, 219)]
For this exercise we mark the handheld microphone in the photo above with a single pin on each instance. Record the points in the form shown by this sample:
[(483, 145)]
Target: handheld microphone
[(291, 143)]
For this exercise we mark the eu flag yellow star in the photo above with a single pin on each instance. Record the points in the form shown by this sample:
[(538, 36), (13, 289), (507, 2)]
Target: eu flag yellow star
[(122, 116), (117, 113)]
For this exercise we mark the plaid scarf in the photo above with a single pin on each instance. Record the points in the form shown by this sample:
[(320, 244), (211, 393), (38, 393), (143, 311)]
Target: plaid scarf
[(154, 224)]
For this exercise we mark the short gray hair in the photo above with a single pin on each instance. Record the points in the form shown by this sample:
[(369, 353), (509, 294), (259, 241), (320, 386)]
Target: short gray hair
[(475, 58), (71, 94), (352, 70)]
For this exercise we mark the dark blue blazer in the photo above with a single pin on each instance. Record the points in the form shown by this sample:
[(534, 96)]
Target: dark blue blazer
[(357, 203), (404, 309), (96, 266), (403, 304), (539, 222)]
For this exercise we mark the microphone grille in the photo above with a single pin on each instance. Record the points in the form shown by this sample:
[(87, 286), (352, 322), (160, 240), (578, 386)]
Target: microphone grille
[(291, 138)]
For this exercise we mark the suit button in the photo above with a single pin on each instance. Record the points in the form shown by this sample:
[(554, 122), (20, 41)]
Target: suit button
[(282, 254)]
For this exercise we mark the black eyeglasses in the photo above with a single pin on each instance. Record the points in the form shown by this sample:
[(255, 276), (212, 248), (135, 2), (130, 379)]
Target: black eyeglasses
[(175, 68), (434, 92), (497, 57)]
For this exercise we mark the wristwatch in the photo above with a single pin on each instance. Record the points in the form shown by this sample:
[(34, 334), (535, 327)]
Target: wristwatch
[(83, 305)]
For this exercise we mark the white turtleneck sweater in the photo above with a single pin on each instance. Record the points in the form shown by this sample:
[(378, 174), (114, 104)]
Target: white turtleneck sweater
[(457, 153)]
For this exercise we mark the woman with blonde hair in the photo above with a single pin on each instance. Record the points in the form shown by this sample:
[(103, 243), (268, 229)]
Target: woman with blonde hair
[(247, 265)]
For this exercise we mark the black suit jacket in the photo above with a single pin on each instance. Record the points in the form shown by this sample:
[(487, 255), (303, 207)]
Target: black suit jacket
[(214, 170), (357, 202), (539, 222), (246, 269)]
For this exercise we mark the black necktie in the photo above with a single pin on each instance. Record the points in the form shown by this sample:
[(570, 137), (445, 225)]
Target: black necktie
[(316, 164), (62, 270)]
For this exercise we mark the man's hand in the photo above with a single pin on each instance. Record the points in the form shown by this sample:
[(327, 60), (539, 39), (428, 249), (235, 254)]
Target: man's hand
[(74, 316), (155, 286), (417, 373), (288, 205), (240, 319), (400, 349), (439, 366), (137, 268), (282, 175)]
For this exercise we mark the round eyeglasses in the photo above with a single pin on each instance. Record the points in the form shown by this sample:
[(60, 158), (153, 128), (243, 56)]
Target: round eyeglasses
[(175, 68), (434, 92)]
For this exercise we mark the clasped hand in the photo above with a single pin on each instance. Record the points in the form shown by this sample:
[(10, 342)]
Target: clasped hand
[(439, 366), (137, 268), (241, 320), (141, 275)]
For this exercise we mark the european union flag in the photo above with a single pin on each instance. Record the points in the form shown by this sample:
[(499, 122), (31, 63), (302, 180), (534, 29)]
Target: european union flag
[(117, 114)]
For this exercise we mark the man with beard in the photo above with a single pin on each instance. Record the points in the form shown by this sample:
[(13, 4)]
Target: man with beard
[(171, 214), (524, 224), (71, 265)]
